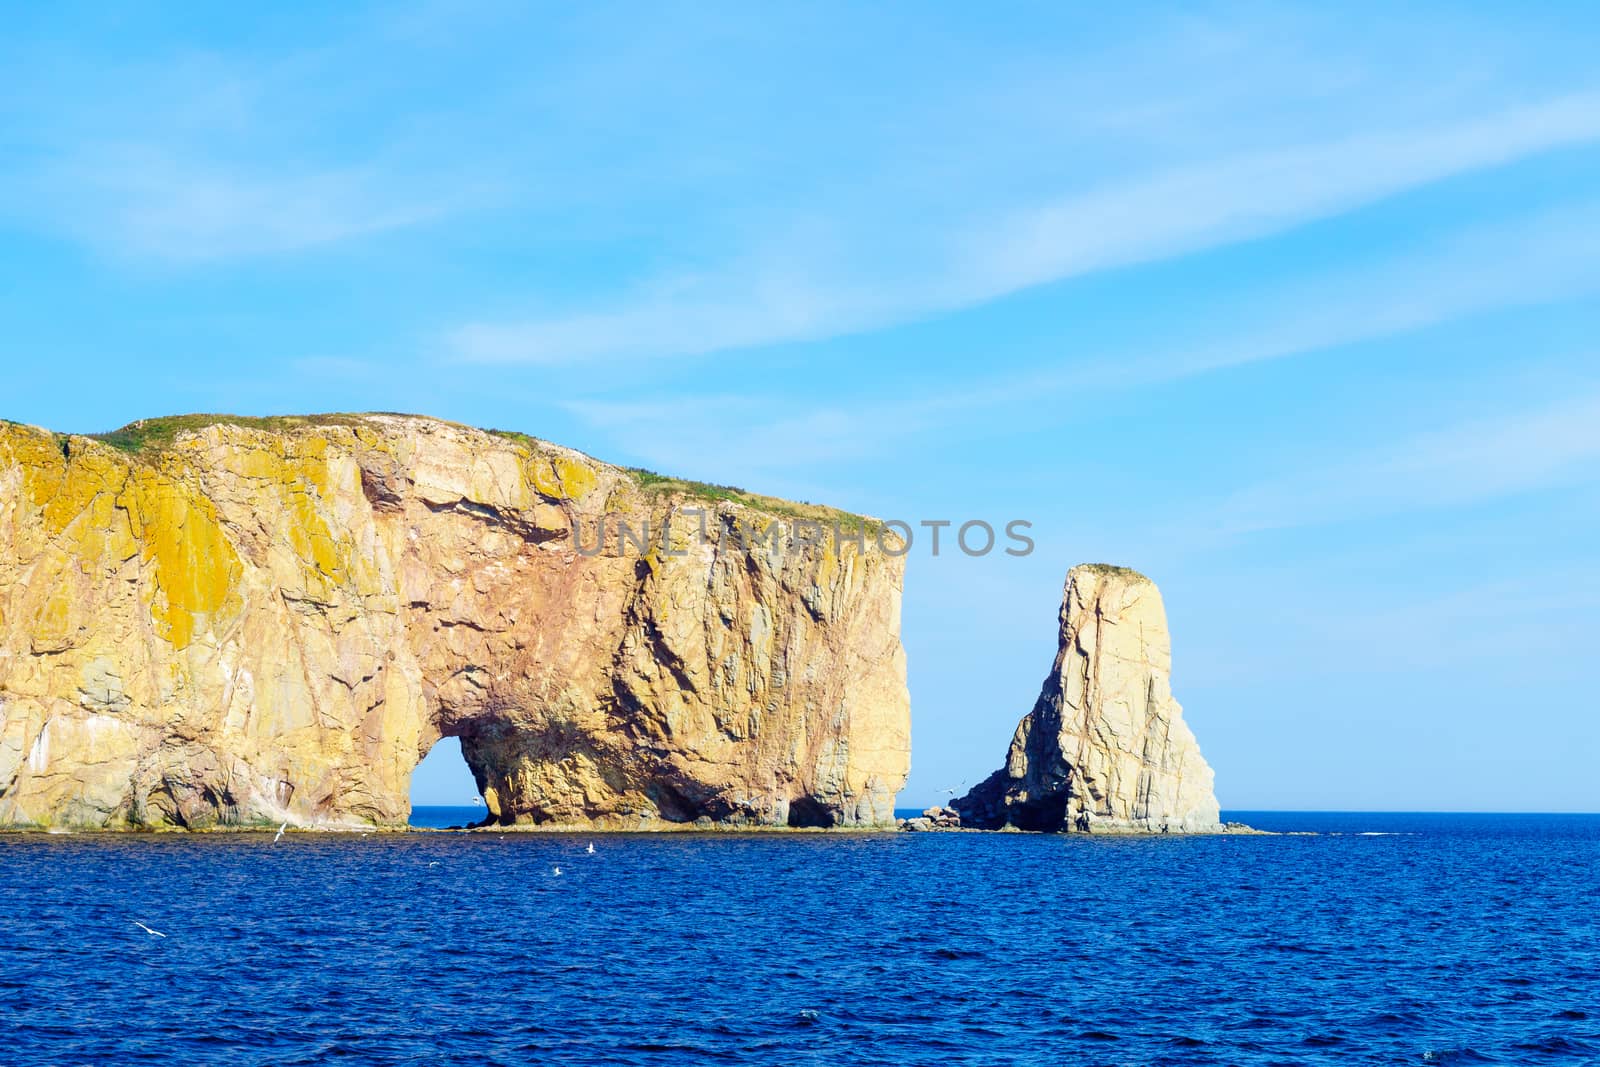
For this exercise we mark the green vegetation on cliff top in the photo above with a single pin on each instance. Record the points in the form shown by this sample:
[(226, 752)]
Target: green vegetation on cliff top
[(707, 491), (1112, 569), (147, 436), (153, 435)]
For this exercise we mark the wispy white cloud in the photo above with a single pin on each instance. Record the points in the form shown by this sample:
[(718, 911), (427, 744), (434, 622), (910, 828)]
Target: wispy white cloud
[(1555, 445), (195, 156), (671, 316), (142, 202), (755, 441), (1526, 611), (1254, 195), (1122, 223), (1546, 257)]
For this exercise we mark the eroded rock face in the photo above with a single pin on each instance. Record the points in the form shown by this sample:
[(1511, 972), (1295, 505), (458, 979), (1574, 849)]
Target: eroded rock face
[(254, 625), (1106, 748)]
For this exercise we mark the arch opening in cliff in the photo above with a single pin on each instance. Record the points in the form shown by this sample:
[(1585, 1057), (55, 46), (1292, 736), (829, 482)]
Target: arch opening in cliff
[(443, 779)]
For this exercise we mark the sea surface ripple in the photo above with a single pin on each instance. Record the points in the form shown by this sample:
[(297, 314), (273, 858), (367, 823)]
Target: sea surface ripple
[(1430, 940)]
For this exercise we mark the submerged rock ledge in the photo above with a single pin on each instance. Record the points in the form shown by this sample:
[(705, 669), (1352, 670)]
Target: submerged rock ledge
[(214, 622)]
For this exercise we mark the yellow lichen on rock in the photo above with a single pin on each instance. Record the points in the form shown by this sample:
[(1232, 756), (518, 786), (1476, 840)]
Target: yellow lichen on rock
[(559, 477), (195, 565), (258, 621), (294, 474)]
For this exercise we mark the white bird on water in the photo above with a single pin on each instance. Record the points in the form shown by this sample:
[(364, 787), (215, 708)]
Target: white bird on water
[(556, 872), (281, 829), (146, 929), (590, 849)]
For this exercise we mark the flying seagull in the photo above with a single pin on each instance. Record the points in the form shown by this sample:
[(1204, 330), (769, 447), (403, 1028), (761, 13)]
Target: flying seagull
[(556, 872), (281, 829), (590, 849), (146, 929)]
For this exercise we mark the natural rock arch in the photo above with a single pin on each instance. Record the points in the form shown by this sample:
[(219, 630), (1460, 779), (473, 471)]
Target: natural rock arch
[(249, 623)]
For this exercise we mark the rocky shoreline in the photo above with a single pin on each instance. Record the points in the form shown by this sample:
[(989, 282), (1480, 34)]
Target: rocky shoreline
[(948, 820), (210, 623)]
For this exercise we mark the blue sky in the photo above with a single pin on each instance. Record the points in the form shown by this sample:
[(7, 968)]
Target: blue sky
[(1293, 308)]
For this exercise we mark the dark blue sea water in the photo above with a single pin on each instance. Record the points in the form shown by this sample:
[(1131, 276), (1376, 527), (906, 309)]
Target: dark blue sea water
[(1456, 940)]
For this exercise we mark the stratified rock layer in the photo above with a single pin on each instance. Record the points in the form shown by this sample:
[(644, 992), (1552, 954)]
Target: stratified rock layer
[(1106, 748), (274, 620)]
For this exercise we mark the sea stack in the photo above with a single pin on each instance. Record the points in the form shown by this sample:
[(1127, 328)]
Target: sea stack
[(1105, 749), (210, 621)]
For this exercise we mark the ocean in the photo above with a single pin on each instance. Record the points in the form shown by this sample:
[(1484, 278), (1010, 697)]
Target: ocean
[(1393, 939)]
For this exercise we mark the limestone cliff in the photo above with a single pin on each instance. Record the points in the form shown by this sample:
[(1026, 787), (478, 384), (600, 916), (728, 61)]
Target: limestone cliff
[(214, 621), (1105, 749)]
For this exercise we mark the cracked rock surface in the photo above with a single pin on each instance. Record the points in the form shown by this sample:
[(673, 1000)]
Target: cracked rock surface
[(273, 621), (1105, 749)]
